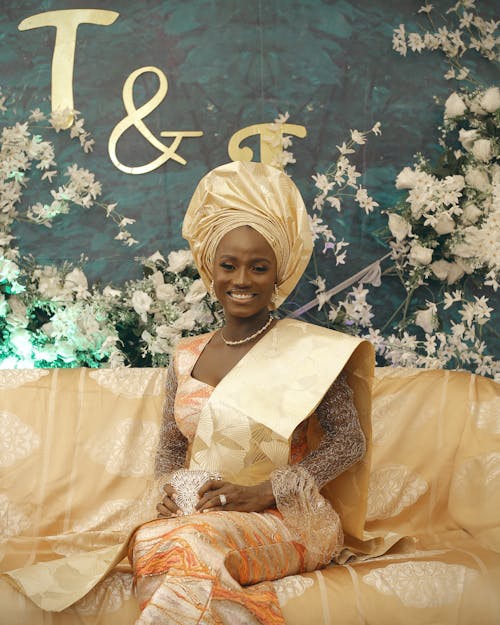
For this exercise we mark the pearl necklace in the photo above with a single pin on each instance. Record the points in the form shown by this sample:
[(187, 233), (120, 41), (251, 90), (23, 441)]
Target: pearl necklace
[(248, 338)]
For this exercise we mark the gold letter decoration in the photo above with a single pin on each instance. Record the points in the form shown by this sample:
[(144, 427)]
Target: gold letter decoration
[(270, 141), (134, 118), (66, 23)]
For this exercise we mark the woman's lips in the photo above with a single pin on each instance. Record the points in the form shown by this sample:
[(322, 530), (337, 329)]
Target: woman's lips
[(241, 297)]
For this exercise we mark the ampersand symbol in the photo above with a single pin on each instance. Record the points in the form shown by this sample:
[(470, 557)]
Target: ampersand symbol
[(134, 118)]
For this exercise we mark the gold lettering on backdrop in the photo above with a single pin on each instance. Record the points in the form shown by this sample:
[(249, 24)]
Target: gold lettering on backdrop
[(66, 23), (270, 141), (134, 118)]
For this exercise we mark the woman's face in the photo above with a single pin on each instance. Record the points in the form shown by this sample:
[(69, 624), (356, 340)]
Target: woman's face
[(244, 272)]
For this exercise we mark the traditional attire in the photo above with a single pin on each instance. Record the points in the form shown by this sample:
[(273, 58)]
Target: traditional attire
[(216, 567), (284, 413)]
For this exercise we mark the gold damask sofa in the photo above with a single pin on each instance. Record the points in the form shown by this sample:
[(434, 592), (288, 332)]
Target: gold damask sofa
[(76, 450)]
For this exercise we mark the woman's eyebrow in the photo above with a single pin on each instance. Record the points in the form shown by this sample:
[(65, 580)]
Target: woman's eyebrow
[(259, 259)]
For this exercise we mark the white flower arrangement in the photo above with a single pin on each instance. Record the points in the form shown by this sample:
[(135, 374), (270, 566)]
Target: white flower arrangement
[(444, 244), (55, 320), (446, 232)]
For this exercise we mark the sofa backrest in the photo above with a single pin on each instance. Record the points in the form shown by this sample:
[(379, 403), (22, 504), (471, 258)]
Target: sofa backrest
[(77, 448)]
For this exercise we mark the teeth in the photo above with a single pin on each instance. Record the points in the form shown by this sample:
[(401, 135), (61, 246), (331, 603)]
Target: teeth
[(241, 295)]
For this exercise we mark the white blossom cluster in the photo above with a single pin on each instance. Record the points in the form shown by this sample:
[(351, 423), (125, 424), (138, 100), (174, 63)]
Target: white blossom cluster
[(449, 226), (25, 156), (54, 319), (339, 182), (447, 229), (469, 31)]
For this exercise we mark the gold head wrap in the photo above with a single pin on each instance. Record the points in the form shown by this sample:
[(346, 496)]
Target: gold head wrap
[(250, 194)]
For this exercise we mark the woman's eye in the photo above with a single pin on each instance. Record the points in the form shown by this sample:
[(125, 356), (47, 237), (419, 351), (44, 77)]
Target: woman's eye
[(227, 266), (260, 269)]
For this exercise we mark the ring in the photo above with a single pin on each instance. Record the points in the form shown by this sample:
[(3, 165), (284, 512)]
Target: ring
[(223, 499)]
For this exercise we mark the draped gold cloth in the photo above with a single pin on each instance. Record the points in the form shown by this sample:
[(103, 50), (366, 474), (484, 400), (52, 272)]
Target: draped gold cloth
[(77, 449), (250, 194)]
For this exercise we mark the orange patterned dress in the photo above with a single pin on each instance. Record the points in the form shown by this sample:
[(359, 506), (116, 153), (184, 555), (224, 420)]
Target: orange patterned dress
[(214, 568)]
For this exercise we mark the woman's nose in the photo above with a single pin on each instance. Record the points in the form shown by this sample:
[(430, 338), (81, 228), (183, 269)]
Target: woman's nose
[(241, 277)]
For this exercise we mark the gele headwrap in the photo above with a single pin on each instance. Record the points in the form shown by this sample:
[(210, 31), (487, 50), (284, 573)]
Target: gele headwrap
[(250, 194)]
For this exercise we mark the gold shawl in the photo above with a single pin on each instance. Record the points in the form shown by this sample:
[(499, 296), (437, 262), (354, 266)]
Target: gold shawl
[(245, 428)]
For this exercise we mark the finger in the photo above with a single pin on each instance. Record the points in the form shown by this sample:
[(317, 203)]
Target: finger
[(164, 512), (168, 489), (170, 504), (211, 485), (212, 501)]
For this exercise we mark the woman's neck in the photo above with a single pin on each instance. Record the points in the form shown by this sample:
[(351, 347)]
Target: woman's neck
[(238, 328)]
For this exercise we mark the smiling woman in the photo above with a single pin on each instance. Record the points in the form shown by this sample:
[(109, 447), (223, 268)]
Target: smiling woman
[(244, 279), (262, 420), (269, 411)]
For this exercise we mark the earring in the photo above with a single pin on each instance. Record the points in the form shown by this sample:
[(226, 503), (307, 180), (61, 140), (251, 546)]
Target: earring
[(275, 296), (211, 291)]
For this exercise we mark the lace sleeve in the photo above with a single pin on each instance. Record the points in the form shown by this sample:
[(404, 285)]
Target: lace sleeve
[(307, 514), (343, 442), (172, 444)]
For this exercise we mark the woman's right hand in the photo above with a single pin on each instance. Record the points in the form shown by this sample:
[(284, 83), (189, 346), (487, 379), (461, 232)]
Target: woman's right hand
[(167, 507)]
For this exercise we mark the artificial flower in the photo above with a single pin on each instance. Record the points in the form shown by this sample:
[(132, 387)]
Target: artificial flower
[(179, 260), (490, 100), (420, 255), (454, 106), (398, 226)]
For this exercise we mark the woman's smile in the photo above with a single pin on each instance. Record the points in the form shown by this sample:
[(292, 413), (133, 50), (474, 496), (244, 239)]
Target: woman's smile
[(241, 296), (244, 275)]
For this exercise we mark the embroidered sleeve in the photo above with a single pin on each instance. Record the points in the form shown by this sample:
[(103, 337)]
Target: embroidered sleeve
[(343, 442), (172, 444), (296, 488)]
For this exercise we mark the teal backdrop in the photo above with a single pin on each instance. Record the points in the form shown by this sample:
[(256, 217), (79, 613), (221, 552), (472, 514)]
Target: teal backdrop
[(230, 64)]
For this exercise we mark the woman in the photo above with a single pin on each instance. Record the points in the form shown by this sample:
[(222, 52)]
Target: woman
[(270, 406)]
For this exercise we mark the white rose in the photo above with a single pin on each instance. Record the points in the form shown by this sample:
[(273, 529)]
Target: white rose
[(454, 106), (4, 307), (166, 292), (444, 224), (165, 332), (156, 257), (482, 150), (407, 178), (491, 99), (196, 292), (467, 138), (110, 292), (420, 255), (478, 179), (451, 272), (476, 108), (77, 282), (8, 270), (399, 227), (186, 321), (141, 303), (179, 260), (426, 319), (471, 213), (202, 314), (157, 278), (20, 339)]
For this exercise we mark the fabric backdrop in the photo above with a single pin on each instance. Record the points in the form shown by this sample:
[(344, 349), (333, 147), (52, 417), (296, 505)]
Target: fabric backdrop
[(229, 64)]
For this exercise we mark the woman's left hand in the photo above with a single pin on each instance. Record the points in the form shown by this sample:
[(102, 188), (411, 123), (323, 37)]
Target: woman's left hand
[(239, 498)]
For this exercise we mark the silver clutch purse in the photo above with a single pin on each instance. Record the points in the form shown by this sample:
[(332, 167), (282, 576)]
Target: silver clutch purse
[(186, 484)]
